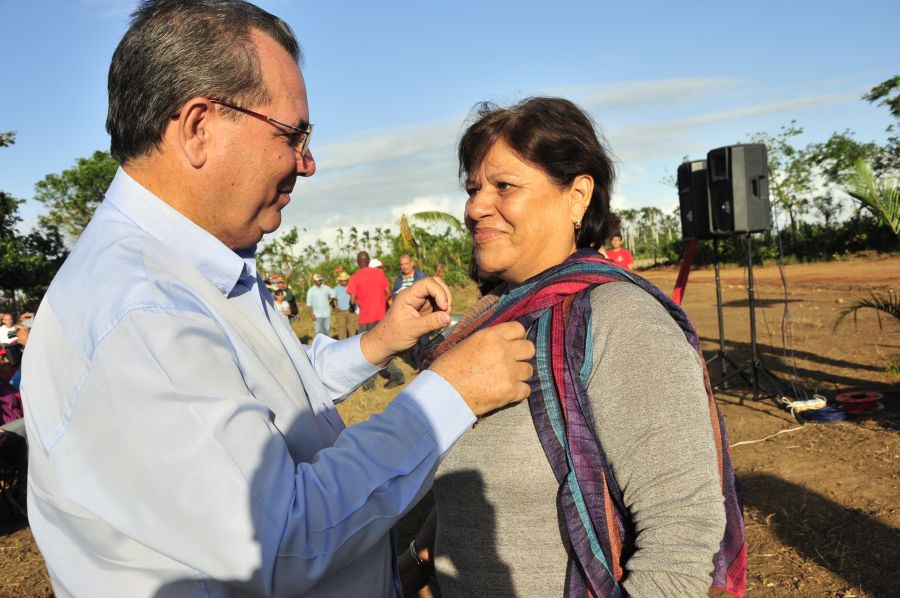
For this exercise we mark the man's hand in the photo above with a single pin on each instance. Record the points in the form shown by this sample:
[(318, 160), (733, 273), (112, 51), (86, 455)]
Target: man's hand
[(416, 311), (489, 369)]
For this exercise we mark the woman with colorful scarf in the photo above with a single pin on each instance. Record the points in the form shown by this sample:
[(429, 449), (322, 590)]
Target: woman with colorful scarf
[(614, 478)]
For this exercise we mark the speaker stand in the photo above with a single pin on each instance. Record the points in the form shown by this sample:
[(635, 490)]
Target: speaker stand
[(754, 370), (720, 355)]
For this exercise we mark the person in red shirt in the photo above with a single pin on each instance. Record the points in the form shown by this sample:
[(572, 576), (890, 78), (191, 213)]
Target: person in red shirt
[(618, 254), (370, 290)]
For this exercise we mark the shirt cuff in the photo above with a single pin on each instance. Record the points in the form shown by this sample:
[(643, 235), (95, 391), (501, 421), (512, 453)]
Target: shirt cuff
[(439, 407), (344, 362)]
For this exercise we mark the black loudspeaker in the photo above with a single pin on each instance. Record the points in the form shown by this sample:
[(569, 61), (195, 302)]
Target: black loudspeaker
[(693, 198), (738, 178)]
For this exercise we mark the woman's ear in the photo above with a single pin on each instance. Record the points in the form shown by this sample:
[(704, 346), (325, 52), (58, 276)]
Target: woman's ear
[(580, 193)]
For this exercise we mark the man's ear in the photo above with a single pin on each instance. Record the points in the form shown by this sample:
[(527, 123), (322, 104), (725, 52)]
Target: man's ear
[(194, 130), (580, 192)]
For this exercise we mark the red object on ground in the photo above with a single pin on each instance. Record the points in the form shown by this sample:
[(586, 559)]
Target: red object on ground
[(686, 262), (859, 401)]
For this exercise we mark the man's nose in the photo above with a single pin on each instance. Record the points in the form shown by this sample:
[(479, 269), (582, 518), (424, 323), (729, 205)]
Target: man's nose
[(306, 164)]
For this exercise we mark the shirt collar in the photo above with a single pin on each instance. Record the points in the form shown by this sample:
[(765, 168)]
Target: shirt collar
[(223, 267)]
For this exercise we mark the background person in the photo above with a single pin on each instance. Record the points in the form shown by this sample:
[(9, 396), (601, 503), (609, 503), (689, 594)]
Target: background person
[(289, 297), (186, 443), (280, 304), (23, 331), (621, 256), (7, 329), (318, 302), (539, 183), (11, 408), (344, 316), (408, 274), (370, 290)]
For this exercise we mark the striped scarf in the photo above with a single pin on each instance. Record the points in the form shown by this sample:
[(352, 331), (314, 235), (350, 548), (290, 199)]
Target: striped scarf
[(555, 309)]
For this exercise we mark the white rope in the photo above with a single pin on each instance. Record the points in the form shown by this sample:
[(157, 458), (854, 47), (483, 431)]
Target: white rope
[(767, 437)]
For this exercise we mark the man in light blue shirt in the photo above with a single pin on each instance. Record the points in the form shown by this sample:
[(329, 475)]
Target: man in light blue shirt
[(187, 444), (345, 319), (318, 302)]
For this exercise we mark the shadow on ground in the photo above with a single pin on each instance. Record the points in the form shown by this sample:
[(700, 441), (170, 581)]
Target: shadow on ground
[(774, 359), (849, 542)]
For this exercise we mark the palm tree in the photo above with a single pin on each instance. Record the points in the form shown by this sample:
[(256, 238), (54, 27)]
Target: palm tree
[(888, 303), (353, 241), (881, 196), (378, 239), (435, 217), (408, 241), (628, 218), (324, 249)]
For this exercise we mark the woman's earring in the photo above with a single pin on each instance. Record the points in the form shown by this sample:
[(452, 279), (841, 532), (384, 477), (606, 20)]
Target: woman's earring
[(577, 224)]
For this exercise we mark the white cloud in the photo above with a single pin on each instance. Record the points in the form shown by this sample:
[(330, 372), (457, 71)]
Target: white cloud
[(655, 139), (450, 204), (632, 95), (372, 178)]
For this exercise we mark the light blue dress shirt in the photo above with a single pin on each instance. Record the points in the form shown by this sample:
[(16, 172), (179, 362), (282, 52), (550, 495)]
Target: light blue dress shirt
[(319, 299), (184, 443), (342, 297)]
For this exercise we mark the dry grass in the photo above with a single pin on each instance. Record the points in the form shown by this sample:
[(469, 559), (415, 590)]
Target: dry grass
[(820, 504)]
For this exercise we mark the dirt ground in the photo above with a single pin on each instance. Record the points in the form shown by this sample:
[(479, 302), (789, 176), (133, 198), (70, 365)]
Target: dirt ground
[(821, 501)]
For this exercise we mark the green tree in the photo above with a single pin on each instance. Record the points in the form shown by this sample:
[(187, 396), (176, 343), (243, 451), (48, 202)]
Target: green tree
[(72, 196), (833, 161), (29, 261), (790, 174), (887, 93)]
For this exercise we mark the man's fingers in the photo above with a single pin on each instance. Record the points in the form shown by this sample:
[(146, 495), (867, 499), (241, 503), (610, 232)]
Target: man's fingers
[(524, 372), (433, 321), (510, 330), (523, 391), (521, 350), (436, 321), (433, 290), (447, 296)]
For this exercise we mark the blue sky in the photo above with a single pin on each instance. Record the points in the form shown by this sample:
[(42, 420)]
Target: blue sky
[(390, 85)]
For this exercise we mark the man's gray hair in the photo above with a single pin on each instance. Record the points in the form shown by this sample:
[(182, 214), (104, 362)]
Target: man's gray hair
[(178, 49)]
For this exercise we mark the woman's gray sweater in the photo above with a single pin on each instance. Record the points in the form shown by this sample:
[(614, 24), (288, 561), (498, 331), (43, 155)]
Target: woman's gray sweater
[(499, 529)]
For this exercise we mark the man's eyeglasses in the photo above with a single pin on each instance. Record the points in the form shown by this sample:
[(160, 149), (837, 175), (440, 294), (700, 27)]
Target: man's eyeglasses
[(299, 139)]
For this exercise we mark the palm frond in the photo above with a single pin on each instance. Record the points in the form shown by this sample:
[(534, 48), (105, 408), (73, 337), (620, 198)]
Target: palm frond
[(888, 303), (881, 196), (407, 238), (435, 217)]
